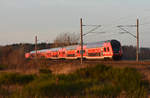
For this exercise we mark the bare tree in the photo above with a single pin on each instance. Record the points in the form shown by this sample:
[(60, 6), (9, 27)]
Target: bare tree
[(65, 39)]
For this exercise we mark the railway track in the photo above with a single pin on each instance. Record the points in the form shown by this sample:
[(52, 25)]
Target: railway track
[(121, 63)]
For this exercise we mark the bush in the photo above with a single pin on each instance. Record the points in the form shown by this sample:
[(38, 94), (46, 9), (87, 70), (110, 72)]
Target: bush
[(2, 67), (15, 78), (99, 81), (45, 71), (104, 90)]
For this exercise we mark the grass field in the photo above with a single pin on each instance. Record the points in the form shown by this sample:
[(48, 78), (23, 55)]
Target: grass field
[(104, 79)]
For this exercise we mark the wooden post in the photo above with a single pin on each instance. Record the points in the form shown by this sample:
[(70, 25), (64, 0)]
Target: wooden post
[(36, 47), (81, 40), (137, 38)]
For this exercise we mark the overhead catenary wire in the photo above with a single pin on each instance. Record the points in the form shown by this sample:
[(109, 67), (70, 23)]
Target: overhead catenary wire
[(96, 27), (108, 28)]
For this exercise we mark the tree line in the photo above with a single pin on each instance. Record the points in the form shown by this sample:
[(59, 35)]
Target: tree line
[(129, 53)]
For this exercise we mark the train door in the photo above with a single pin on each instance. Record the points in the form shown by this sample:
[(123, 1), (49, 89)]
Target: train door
[(63, 54), (101, 53), (104, 51), (108, 50), (84, 52), (60, 53), (78, 53)]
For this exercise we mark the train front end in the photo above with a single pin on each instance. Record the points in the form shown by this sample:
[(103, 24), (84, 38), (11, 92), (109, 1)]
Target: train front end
[(116, 49)]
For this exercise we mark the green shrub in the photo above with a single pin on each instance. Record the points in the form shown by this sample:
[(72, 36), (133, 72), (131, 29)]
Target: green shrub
[(99, 81), (93, 72), (126, 79), (4, 92), (49, 88), (15, 78), (104, 90), (45, 71), (69, 77), (2, 67)]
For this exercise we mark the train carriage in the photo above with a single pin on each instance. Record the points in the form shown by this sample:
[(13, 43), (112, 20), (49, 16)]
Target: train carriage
[(110, 49)]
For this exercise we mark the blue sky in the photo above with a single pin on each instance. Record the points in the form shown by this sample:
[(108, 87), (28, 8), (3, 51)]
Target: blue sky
[(21, 20)]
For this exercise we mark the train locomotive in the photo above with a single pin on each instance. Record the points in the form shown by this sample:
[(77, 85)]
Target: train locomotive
[(110, 49)]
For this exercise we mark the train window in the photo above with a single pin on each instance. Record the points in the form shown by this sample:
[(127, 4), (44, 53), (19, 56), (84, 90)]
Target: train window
[(78, 51), (104, 49), (83, 51), (99, 54), (93, 54), (49, 54), (115, 45), (108, 49), (71, 55)]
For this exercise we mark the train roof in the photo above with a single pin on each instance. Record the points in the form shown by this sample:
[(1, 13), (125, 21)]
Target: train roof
[(72, 47), (55, 49), (43, 50), (99, 42), (32, 51), (96, 44)]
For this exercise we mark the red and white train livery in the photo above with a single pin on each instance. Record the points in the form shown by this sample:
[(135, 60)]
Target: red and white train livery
[(110, 49)]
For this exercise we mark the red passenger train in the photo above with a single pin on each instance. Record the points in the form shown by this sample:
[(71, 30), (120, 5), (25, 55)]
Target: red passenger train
[(110, 49)]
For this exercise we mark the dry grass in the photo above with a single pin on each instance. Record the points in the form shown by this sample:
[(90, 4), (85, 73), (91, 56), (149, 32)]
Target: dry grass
[(69, 66)]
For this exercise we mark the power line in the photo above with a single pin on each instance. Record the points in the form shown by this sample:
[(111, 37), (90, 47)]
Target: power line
[(145, 23), (104, 35), (126, 31), (121, 27), (91, 31)]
